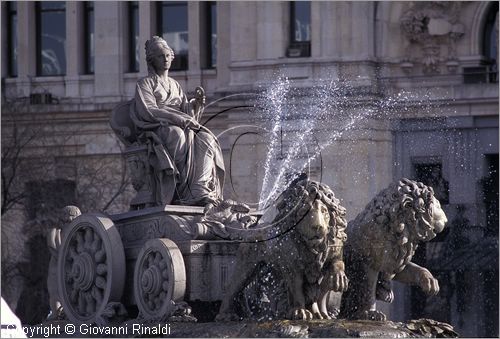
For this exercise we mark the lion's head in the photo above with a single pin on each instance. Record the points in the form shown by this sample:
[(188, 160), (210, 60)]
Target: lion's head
[(311, 209)]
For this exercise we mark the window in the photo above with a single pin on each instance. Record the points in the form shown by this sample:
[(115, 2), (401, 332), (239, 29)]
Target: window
[(133, 40), (173, 27), (431, 174), (489, 185), (490, 42), (51, 37), (89, 36), (211, 35), (300, 29), (12, 38)]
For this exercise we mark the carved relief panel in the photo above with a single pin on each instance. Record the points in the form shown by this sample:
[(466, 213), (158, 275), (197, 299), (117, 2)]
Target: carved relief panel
[(432, 29)]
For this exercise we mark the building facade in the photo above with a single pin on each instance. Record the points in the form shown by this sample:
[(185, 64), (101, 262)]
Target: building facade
[(65, 65)]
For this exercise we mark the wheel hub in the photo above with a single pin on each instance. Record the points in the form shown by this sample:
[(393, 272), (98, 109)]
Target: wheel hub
[(151, 280), (83, 271)]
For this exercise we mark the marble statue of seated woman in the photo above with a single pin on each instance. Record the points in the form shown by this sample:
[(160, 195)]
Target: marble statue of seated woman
[(180, 150)]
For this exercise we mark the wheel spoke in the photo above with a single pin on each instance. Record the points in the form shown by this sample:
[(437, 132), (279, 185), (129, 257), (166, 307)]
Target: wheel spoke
[(73, 296), (79, 242), (68, 278), (72, 253), (162, 264), (97, 294), (81, 303), (100, 282), (102, 269), (90, 303), (88, 237), (100, 256)]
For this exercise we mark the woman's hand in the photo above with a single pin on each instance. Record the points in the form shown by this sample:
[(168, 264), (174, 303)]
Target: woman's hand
[(193, 124)]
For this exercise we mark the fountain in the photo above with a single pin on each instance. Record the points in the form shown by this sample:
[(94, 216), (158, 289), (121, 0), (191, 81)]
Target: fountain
[(182, 249)]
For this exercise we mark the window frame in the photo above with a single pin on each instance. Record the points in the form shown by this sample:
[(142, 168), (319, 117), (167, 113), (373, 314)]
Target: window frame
[(133, 65), (297, 48), (486, 48), (38, 36), (12, 64), (210, 63), (89, 63), (181, 61)]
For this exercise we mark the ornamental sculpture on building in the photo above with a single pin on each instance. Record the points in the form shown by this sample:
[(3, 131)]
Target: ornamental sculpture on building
[(428, 26)]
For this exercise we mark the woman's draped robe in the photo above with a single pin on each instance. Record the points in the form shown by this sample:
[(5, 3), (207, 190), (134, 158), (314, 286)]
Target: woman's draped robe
[(188, 164)]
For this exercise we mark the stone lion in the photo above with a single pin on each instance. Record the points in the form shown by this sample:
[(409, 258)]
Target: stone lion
[(381, 243), (302, 244)]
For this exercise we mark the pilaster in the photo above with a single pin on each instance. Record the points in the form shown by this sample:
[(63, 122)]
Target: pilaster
[(147, 28), (74, 47), (108, 76)]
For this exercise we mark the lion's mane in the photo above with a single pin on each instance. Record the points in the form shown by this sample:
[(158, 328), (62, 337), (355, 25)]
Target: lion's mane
[(401, 213)]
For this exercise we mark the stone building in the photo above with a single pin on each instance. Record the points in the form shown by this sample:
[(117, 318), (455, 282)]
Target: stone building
[(65, 65)]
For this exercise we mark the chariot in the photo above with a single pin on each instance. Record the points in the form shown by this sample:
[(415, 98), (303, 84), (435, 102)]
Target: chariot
[(145, 258), (150, 257)]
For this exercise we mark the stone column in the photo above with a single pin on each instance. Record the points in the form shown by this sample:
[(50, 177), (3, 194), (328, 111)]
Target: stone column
[(4, 40), (223, 41), (363, 29), (26, 46), (271, 35), (108, 78), (243, 42), (74, 47), (317, 23), (147, 28)]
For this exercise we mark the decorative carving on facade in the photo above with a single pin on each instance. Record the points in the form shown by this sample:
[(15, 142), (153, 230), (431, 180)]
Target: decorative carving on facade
[(433, 27)]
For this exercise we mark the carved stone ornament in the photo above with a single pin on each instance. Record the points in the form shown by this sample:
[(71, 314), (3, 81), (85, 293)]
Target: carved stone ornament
[(428, 26), (91, 268)]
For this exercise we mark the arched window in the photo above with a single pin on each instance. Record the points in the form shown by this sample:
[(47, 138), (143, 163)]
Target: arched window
[(490, 41)]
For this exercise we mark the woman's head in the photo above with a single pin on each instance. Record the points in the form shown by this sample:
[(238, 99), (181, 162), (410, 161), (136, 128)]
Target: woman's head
[(159, 55)]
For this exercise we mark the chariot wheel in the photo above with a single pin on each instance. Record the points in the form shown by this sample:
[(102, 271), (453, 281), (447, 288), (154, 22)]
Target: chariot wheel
[(159, 278), (91, 267)]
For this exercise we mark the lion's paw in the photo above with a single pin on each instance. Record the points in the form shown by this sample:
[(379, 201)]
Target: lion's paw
[(384, 291), (227, 317), (428, 283), (300, 314), (374, 315), (319, 314)]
